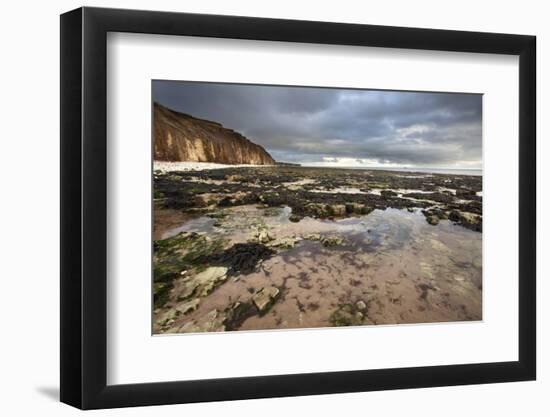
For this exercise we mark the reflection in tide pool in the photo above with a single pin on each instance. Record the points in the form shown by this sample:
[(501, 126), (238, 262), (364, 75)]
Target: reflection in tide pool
[(198, 224), (392, 261)]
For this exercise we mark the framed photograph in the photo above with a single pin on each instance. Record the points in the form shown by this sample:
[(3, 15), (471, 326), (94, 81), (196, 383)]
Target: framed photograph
[(257, 208)]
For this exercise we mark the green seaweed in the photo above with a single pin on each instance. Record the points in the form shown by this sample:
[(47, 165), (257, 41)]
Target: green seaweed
[(161, 294), (179, 253)]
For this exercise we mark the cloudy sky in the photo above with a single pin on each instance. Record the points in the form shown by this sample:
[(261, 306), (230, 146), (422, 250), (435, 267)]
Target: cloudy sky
[(338, 127)]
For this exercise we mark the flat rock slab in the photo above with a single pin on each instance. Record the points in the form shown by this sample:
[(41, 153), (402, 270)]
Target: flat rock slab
[(264, 298), (210, 322), (188, 306), (204, 282)]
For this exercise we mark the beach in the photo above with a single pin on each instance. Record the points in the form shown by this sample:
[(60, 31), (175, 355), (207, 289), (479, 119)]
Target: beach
[(282, 247)]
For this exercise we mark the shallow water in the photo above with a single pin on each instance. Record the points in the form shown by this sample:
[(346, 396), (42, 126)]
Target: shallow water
[(399, 191), (390, 228), (473, 172), (340, 190), (404, 269), (202, 224), (294, 185)]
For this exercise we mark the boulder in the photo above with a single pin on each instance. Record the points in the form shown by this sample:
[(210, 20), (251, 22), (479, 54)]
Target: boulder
[(332, 240), (284, 243), (433, 220), (265, 298), (295, 218), (167, 317), (264, 236), (361, 305), (469, 220), (358, 208), (203, 283), (317, 210), (346, 315), (338, 210), (238, 313), (454, 216), (236, 178)]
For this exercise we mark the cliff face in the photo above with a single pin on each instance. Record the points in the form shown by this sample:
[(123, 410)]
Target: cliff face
[(180, 137)]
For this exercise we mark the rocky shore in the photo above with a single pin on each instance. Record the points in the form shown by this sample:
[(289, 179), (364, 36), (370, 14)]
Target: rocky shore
[(285, 247)]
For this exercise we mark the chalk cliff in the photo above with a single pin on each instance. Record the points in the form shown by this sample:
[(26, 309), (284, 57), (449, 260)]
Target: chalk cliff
[(181, 137)]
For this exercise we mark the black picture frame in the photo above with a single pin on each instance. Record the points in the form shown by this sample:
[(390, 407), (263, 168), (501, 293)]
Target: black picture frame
[(84, 207)]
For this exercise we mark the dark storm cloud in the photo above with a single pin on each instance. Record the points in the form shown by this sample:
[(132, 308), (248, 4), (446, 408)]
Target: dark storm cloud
[(312, 125)]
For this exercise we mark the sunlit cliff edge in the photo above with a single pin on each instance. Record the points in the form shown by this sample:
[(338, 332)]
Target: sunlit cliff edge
[(181, 137)]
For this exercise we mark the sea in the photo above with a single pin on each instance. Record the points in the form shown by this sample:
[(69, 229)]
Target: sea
[(449, 171)]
